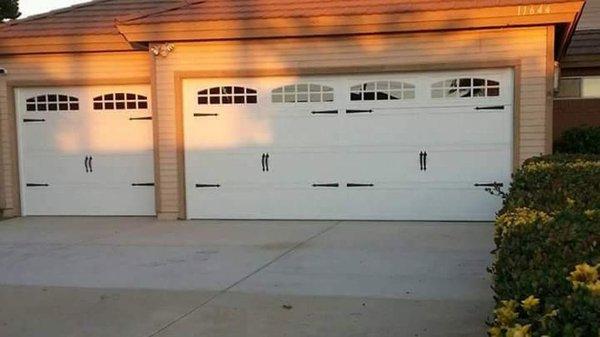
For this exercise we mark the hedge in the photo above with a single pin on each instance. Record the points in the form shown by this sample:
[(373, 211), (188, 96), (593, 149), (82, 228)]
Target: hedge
[(547, 252), (585, 139), (556, 182)]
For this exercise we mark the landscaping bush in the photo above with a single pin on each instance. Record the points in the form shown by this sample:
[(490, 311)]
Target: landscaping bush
[(548, 251), (552, 183), (583, 140)]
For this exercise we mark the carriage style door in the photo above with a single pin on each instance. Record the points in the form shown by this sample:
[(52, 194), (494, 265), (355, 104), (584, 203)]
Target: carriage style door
[(86, 150), (416, 146)]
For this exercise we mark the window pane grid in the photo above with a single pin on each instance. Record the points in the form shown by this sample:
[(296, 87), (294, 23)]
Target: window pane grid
[(120, 101), (227, 95), (465, 88), (302, 93), (382, 91), (52, 102)]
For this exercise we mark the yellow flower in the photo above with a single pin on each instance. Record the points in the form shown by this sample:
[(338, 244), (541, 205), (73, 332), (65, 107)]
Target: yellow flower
[(530, 303), (583, 274), (519, 331), (590, 213), (495, 332), (594, 288), (506, 313), (570, 202)]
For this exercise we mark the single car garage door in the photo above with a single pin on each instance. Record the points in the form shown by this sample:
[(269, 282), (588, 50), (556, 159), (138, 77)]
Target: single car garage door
[(413, 146), (86, 150)]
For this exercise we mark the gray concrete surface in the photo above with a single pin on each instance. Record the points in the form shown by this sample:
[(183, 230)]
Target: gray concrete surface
[(144, 277)]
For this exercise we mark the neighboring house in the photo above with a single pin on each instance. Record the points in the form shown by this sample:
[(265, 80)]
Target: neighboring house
[(578, 102), (389, 109)]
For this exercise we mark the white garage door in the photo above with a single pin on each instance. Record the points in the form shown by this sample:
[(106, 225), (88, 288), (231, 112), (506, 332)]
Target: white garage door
[(379, 146), (86, 150)]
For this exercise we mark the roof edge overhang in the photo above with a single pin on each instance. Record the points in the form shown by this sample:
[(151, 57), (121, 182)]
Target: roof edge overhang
[(565, 14), (66, 44)]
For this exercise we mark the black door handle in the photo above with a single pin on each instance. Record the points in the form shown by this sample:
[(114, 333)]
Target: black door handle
[(263, 162), (267, 161), (85, 163), (423, 160), (91, 167)]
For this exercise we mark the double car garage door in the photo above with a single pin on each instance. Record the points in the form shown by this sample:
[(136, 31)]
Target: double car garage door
[(418, 146), (378, 146)]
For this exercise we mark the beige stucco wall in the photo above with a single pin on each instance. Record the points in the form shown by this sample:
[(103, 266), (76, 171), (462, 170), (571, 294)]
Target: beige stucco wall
[(526, 48), (51, 70)]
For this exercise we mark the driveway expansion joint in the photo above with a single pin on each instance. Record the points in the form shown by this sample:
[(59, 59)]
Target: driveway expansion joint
[(258, 270)]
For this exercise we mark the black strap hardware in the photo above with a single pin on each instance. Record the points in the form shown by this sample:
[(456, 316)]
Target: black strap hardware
[(324, 112), (350, 111), (359, 185), (142, 184), (147, 118), (326, 185), (208, 185), (495, 107), (33, 120), (205, 115), (36, 185)]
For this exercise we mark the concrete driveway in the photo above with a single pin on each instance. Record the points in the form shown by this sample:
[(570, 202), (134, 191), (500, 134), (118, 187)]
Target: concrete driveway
[(143, 277)]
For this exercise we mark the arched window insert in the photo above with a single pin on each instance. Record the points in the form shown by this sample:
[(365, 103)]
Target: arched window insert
[(227, 95), (302, 93), (382, 91), (120, 101), (465, 87), (52, 102)]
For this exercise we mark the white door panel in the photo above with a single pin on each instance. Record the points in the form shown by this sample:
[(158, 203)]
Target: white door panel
[(356, 157), (89, 160)]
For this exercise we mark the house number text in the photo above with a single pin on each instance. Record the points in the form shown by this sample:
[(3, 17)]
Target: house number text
[(533, 10)]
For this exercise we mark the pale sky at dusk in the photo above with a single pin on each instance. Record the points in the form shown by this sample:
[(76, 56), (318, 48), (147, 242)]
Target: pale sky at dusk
[(31, 7)]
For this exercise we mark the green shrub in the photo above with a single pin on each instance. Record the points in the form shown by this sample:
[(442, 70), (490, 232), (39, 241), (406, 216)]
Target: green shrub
[(584, 140), (535, 257), (536, 251), (547, 253), (556, 182)]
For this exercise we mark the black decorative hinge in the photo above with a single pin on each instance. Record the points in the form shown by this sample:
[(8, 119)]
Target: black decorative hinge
[(205, 115), (33, 120), (142, 184), (350, 111), (326, 185), (36, 185), (147, 118), (423, 160), (494, 107), (324, 112), (359, 185), (208, 185), (494, 185)]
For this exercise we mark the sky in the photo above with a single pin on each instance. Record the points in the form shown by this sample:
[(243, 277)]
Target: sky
[(32, 7)]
